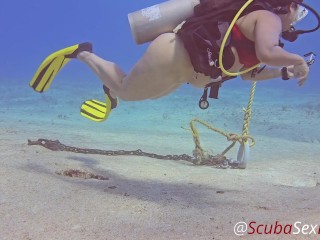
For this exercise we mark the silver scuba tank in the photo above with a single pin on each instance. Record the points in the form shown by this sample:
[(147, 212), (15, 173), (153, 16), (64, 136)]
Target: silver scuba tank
[(148, 23)]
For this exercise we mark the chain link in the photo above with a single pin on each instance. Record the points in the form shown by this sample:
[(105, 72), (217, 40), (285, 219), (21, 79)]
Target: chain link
[(218, 161)]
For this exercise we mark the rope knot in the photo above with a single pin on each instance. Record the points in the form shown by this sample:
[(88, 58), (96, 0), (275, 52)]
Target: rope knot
[(233, 137)]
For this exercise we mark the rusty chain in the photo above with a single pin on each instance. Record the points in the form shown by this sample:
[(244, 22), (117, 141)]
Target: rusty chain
[(217, 161)]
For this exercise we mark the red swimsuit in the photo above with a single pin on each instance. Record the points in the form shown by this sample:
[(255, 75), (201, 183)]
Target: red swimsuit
[(245, 48)]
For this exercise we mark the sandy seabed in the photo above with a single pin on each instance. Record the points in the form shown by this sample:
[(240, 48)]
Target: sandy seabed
[(143, 198)]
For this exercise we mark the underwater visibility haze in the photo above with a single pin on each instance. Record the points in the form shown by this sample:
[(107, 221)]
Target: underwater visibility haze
[(136, 197)]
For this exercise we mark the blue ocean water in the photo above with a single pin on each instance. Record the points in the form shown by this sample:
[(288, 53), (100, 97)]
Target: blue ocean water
[(33, 29)]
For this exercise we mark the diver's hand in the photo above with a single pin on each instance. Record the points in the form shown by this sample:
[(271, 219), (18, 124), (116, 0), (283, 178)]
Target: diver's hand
[(290, 71), (300, 72)]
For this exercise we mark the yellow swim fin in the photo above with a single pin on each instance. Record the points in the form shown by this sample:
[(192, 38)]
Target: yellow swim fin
[(54, 63), (99, 111)]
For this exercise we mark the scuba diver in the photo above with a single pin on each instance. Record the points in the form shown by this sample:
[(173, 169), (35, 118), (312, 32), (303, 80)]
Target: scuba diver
[(176, 58)]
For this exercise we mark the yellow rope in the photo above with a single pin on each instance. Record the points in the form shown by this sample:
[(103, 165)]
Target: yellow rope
[(201, 155), (248, 113)]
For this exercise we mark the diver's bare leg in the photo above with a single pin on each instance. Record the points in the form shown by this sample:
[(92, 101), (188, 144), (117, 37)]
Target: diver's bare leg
[(163, 68), (108, 72)]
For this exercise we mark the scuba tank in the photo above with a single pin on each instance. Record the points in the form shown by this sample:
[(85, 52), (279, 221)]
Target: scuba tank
[(150, 22)]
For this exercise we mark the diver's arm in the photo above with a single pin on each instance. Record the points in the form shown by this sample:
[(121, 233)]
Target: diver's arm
[(262, 73), (268, 28), (267, 73)]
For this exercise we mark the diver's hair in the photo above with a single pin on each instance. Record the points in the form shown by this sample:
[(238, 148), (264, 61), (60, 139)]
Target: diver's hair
[(282, 6), (282, 3), (209, 6), (213, 5)]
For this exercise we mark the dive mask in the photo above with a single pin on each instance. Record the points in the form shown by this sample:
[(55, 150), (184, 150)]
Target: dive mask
[(302, 12)]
